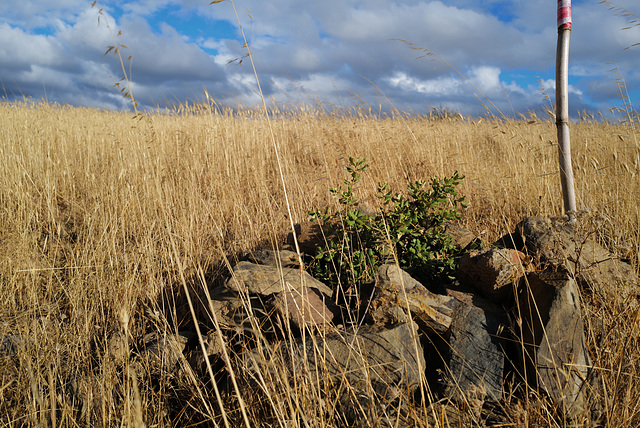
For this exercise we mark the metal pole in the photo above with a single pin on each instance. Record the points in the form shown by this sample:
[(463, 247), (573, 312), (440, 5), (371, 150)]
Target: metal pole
[(562, 108)]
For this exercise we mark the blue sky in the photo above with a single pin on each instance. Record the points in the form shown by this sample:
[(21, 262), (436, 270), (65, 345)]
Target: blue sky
[(336, 52)]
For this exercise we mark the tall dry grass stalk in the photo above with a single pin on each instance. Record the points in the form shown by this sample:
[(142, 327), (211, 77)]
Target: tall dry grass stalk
[(106, 220)]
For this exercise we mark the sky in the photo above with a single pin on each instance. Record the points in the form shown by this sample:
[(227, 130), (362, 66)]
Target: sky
[(470, 56)]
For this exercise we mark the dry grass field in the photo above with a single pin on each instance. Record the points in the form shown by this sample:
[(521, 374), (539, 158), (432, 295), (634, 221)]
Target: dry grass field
[(106, 220)]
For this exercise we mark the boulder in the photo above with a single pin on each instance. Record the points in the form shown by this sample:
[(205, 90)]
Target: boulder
[(275, 258), (494, 272), (213, 349), (474, 351), (461, 238), (228, 307), (305, 306), (265, 280), (164, 350), (557, 243), (212, 344), (367, 368), (396, 291), (552, 333)]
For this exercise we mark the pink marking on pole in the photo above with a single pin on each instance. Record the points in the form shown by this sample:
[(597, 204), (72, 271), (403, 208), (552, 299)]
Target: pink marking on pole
[(564, 14)]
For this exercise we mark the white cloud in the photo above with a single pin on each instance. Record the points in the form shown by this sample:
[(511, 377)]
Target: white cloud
[(446, 85), (306, 59), (88, 35), (39, 13), (486, 79), (318, 49), (549, 86), (20, 50)]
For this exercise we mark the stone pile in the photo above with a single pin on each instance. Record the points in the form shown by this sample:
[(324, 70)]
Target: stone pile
[(513, 314)]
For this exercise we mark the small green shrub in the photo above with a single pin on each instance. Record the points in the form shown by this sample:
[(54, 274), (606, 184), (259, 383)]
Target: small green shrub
[(408, 228)]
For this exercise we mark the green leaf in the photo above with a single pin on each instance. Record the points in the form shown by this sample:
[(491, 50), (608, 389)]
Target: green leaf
[(411, 227)]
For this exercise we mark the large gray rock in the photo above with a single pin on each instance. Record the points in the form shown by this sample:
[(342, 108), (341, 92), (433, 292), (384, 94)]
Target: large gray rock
[(474, 355), (229, 309), (305, 306), (275, 258), (265, 280), (396, 291), (557, 243), (367, 370), (164, 349), (570, 250), (460, 237), (556, 358), (213, 349), (495, 272)]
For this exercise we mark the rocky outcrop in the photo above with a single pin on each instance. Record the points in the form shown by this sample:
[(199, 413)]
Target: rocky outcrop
[(164, 349), (265, 280), (494, 272), (460, 237), (556, 357), (370, 367), (514, 314), (276, 258), (474, 355), (399, 298), (305, 307), (557, 244)]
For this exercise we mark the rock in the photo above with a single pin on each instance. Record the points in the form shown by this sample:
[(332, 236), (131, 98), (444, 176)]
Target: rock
[(275, 258), (212, 348), (212, 345), (461, 237), (11, 344), (228, 308), (367, 369), (569, 253), (380, 356), (265, 280), (118, 347), (390, 301), (557, 243), (163, 348), (305, 306), (493, 271), (474, 355), (556, 360)]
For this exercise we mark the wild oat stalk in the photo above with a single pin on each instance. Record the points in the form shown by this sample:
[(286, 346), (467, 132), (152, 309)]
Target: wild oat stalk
[(632, 18), (116, 49)]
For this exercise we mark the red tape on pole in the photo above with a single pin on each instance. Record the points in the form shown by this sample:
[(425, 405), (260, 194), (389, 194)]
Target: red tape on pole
[(564, 14)]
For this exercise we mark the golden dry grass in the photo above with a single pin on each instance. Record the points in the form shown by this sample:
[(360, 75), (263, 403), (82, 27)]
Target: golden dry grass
[(103, 217)]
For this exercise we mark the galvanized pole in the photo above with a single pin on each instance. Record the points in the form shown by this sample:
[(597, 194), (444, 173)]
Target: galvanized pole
[(562, 108)]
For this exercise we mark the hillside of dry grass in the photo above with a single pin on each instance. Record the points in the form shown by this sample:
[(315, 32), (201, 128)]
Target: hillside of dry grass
[(104, 218)]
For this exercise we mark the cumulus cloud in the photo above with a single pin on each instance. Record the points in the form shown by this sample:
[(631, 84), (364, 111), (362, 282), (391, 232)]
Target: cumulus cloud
[(320, 50), (39, 13), (439, 86)]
